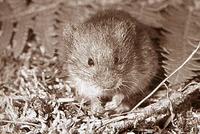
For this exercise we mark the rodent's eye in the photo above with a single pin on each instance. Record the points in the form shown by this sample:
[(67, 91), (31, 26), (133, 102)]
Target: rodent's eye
[(90, 62), (116, 60)]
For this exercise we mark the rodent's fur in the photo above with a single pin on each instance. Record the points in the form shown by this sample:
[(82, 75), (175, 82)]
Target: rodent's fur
[(124, 58)]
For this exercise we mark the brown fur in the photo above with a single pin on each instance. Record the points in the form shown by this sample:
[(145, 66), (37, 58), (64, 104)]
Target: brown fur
[(107, 37)]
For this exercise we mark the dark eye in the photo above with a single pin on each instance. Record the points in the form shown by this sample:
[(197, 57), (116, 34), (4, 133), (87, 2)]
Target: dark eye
[(90, 62), (116, 60)]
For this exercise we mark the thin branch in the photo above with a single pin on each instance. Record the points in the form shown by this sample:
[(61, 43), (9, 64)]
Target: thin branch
[(133, 120), (20, 122), (148, 96)]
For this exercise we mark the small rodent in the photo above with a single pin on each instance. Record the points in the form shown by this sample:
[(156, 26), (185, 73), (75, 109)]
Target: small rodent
[(111, 55)]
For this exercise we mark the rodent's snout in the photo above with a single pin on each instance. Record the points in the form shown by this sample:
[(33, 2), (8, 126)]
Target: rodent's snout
[(110, 83), (108, 79)]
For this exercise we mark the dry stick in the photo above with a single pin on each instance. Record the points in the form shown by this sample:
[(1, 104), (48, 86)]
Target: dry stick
[(20, 122), (166, 78), (162, 106)]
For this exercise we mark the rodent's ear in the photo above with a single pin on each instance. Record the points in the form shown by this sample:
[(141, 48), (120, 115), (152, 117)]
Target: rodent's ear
[(119, 31), (125, 30)]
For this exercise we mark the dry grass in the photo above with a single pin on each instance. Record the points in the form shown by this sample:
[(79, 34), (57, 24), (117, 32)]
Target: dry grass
[(36, 98)]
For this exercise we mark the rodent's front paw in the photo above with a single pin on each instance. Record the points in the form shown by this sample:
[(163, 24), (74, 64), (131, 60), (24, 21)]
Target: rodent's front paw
[(111, 105), (116, 101), (122, 108)]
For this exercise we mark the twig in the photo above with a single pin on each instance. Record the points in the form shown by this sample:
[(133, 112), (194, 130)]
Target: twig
[(177, 99), (65, 100), (20, 122), (148, 96)]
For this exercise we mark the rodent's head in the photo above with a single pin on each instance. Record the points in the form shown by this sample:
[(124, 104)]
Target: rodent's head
[(100, 54)]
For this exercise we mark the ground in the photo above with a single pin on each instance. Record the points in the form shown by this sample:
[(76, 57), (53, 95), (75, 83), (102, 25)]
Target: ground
[(35, 97)]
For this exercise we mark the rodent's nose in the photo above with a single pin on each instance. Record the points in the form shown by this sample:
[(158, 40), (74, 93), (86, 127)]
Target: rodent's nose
[(107, 79)]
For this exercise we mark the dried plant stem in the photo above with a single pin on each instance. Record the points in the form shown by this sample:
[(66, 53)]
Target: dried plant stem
[(148, 96), (20, 122), (133, 120)]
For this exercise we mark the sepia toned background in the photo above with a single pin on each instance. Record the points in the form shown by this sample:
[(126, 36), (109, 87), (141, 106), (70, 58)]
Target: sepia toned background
[(34, 95)]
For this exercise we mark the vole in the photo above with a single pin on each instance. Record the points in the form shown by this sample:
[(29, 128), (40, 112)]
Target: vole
[(111, 55)]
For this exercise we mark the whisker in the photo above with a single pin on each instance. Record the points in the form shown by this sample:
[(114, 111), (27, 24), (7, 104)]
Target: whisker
[(126, 86), (128, 82), (128, 92), (133, 87)]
